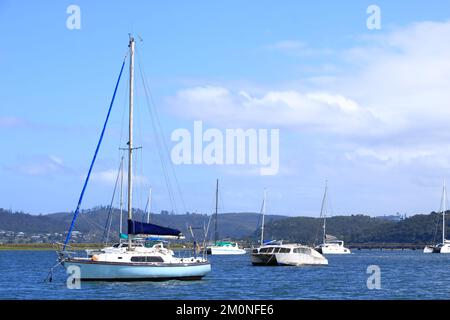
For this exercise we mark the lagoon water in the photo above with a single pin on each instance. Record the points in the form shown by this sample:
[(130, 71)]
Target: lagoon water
[(404, 275)]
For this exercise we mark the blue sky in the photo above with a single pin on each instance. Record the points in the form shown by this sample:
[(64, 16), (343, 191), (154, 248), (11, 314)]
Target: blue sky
[(366, 109)]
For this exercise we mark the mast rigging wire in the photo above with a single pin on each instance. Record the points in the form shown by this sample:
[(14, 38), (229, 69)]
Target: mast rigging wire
[(157, 125), (80, 200)]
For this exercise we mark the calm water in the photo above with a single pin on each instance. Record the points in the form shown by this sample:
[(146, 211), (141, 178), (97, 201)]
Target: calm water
[(404, 275)]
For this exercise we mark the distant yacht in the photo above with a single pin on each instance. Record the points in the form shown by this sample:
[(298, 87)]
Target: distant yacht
[(275, 253), (132, 260), (444, 246), (222, 247), (330, 244)]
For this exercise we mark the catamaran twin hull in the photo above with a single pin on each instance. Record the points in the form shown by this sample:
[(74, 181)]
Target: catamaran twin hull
[(113, 271), (285, 259), (438, 248), (332, 249)]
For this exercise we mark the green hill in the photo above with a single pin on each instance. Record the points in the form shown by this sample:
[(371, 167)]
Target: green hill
[(93, 222), (354, 229), (418, 229)]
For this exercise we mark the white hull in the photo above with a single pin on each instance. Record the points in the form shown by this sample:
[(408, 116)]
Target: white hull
[(332, 248), (428, 249), (225, 251), (438, 248), (93, 270), (286, 259), (297, 256)]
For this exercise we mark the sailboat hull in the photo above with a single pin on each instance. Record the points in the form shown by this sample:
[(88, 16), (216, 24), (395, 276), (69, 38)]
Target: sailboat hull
[(106, 271)]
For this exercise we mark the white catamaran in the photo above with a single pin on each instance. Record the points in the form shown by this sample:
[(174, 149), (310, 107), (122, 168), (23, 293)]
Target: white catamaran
[(330, 244), (275, 253), (222, 247), (444, 246), (132, 260)]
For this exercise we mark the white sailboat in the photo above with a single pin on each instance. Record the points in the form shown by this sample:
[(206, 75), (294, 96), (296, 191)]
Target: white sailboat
[(330, 244), (444, 246), (132, 260), (275, 253), (223, 247)]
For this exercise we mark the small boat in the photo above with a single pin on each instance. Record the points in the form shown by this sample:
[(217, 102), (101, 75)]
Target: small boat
[(439, 248), (332, 247), (224, 247), (275, 253), (444, 246), (330, 244), (132, 259), (287, 255)]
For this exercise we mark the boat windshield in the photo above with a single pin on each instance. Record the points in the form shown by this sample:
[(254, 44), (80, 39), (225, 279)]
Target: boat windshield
[(266, 250), (336, 242), (302, 250)]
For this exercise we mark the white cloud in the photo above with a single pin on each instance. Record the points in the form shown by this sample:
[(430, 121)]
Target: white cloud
[(395, 95), (292, 109), (40, 166), (109, 176), (297, 48)]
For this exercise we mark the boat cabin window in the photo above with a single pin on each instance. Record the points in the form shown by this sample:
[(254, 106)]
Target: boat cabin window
[(276, 250), (266, 250), (285, 250), (302, 250), (255, 251), (146, 259)]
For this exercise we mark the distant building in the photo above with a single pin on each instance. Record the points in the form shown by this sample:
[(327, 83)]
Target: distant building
[(394, 217)]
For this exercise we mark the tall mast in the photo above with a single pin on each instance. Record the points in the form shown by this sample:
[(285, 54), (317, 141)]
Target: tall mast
[(263, 214), (216, 233), (121, 197), (443, 212), (149, 205), (130, 141), (322, 211)]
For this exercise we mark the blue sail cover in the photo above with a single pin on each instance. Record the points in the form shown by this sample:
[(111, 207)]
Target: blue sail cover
[(136, 227)]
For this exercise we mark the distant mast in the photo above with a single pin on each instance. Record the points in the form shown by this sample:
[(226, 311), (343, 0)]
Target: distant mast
[(444, 191), (216, 233), (130, 141), (149, 205), (263, 214), (322, 211), (121, 199)]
